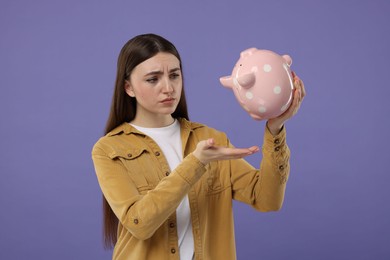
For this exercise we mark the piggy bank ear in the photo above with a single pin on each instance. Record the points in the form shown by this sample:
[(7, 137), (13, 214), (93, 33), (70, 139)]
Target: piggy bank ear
[(226, 81), (246, 80), (247, 52), (288, 59)]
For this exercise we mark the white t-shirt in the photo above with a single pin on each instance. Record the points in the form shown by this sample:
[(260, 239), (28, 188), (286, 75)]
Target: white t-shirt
[(169, 140)]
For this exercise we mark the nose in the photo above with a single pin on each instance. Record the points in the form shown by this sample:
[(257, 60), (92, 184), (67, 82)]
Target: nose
[(167, 86)]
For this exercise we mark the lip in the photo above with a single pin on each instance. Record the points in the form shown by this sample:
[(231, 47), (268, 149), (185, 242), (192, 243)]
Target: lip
[(168, 100)]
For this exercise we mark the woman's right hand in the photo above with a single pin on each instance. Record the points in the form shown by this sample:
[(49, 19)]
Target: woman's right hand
[(206, 151)]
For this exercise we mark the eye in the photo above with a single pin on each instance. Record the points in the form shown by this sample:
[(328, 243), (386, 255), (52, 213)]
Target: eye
[(152, 80), (174, 75)]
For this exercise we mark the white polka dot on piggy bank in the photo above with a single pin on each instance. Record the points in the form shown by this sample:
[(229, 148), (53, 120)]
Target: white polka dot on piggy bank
[(262, 83)]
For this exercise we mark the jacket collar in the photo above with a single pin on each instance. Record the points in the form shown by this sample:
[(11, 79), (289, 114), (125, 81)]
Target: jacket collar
[(127, 129)]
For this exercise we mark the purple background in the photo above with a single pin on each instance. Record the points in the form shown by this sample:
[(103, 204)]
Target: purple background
[(57, 67)]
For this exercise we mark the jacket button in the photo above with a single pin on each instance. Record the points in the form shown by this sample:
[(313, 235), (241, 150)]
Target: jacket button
[(136, 221), (277, 149), (172, 225), (157, 153), (129, 155), (173, 250), (277, 141)]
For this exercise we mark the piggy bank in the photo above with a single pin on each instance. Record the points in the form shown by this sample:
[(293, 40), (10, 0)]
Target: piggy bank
[(262, 83)]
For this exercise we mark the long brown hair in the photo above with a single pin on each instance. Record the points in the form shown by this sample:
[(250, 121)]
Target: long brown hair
[(123, 107)]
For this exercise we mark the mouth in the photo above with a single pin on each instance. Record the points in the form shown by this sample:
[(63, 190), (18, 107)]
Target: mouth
[(168, 100)]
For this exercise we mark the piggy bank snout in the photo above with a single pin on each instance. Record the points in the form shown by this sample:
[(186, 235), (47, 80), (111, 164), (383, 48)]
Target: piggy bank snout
[(226, 81)]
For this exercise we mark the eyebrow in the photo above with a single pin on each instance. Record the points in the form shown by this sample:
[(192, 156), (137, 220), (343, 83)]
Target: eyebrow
[(159, 72)]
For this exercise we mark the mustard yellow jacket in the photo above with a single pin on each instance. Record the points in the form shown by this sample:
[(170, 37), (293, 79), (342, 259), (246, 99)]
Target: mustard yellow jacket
[(144, 193)]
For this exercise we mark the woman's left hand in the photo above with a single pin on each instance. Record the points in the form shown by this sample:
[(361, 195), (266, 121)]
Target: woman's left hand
[(276, 124)]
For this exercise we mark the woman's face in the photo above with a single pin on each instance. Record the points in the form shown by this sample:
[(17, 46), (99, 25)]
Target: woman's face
[(156, 84)]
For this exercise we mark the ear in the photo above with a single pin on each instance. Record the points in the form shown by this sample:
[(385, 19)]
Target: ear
[(247, 80), (288, 59), (248, 52), (129, 89)]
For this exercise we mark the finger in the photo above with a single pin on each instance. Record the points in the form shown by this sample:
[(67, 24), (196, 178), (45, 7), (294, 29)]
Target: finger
[(298, 97), (303, 89), (254, 149), (209, 143), (239, 152), (299, 94), (298, 102), (293, 74), (292, 109), (298, 83), (206, 144)]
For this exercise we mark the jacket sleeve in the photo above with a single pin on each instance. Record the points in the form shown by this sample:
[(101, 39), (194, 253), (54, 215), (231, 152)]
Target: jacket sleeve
[(142, 215), (263, 188)]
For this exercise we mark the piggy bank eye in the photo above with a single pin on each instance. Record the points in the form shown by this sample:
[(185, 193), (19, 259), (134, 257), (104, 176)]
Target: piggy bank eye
[(240, 65)]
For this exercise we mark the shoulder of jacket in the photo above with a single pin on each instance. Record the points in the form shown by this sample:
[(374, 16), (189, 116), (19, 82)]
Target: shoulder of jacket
[(193, 126), (103, 145), (116, 140), (203, 130)]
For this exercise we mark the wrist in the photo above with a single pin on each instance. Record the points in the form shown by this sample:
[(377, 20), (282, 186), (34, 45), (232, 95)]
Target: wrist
[(199, 158), (274, 127)]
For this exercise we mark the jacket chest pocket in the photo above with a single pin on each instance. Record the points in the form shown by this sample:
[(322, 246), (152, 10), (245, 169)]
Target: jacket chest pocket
[(140, 167), (213, 182)]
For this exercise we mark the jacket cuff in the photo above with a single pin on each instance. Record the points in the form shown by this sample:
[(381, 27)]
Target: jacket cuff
[(274, 143), (275, 148), (191, 169)]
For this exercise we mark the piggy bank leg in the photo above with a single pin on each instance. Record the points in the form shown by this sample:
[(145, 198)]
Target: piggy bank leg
[(256, 117)]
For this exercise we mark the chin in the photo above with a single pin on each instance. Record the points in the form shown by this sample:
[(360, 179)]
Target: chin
[(166, 111)]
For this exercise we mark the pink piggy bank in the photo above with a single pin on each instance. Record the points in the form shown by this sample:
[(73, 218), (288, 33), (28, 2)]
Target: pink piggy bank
[(262, 82)]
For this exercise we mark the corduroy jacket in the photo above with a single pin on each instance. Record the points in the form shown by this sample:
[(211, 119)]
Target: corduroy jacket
[(144, 192)]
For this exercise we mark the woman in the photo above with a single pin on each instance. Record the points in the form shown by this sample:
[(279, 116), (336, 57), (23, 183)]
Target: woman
[(168, 183)]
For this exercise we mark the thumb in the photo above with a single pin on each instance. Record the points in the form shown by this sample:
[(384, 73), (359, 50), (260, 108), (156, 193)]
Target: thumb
[(210, 143), (207, 144)]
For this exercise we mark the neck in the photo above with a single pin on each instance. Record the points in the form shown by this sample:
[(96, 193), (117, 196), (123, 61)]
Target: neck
[(153, 121)]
